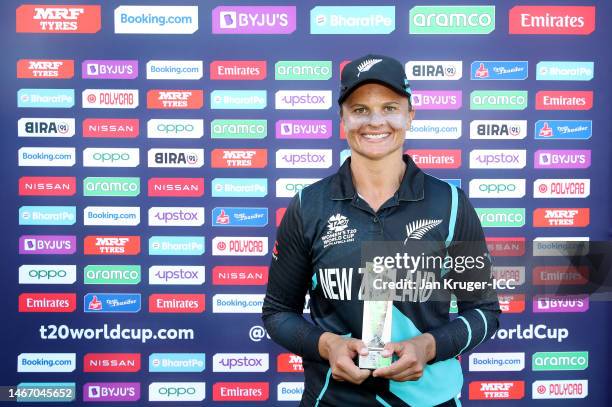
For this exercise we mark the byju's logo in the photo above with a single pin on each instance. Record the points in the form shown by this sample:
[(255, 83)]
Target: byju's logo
[(434, 70), (452, 19), (116, 391), (564, 71), (562, 159), (45, 98), (253, 19), (156, 19), (303, 99), (352, 20), (499, 70), (111, 302), (303, 129), (58, 19), (45, 127), (109, 69), (47, 244), (240, 217), (563, 129), (437, 99)]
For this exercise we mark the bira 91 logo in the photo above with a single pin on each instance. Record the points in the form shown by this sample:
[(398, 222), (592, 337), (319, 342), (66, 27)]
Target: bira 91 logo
[(561, 217), (238, 70), (45, 68), (45, 127), (239, 158), (176, 187), (47, 302), (434, 70), (558, 20), (253, 20), (511, 390), (240, 275), (112, 245), (58, 19), (111, 128), (176, 157), (289, 363), (498, 129), (239, 246), (241, 391), (436, 158), (177, 303), (111, 362), (175, 99)]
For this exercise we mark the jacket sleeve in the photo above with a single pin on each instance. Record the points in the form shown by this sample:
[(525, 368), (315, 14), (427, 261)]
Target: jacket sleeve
[(477, 319), (288, 281)]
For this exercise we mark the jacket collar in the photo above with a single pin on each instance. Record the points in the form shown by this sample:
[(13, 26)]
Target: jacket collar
[(411, 187)]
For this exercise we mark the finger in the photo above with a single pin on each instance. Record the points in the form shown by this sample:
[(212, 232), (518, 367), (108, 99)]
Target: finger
[(357, 346), (350, 372), (391, 348), (402, 377), (401, 365), (413, 372)]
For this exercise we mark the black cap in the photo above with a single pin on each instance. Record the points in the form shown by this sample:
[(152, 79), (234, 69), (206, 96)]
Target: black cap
[(373, 69)]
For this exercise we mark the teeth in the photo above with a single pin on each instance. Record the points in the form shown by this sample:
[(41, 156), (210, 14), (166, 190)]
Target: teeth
[(375, 136)]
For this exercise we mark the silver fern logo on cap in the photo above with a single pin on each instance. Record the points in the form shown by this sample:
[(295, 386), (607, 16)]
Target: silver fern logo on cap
[(418, 228), (366, 65)]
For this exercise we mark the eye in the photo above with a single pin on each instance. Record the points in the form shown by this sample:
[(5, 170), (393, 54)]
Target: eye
[(360, 110), (390, 108)]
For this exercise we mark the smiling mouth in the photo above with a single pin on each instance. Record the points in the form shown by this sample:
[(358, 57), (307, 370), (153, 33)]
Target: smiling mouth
[(376, 136)]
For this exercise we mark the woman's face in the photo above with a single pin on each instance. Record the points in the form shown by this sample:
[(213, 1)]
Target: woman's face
[(375, 120)]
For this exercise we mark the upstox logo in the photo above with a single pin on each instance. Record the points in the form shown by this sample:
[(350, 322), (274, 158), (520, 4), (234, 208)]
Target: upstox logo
[(498, 100), (452, 19), (238, 129), (111, 186), (303, 99), (352, 20), (543, 361)]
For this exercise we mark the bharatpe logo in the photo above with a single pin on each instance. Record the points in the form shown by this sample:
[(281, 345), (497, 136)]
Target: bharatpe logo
[(156, 19), (303, 99), (578, 159), (115, 391), (498, 129), (497, 362), (47, 274), (175, 70), (175, 128), (177, 362), (288, 158), (437, 99), (241, 362), (111, 274), (434, 70), (111, 302), (111, 216), (47, 215), (111, 186), (238, 129), (177, 391), (498, 100), (176, 245), (45, 127), (508, 159), (303, 129), (45, 98), (499, 70), (434, 130), (302, 70), (46, 156), (563, 129), (238, 99), (240, 217), (559, 389), (239, 187), (564, 71), (452, 19), (46, 362), (109, 69), (337, 231), (176, 275), (352, 20), (253, 20)]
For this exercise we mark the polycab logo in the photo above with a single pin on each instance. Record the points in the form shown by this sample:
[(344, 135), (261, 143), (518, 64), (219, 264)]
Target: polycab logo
[(176, 216), (47, 302), (240, 362), (288, 187), (303, 99), (506, 246), (509, 276), (177, 303), (289, 363), (238, 70), (239, 158), (352, 20), (560, 303), (46, 362), (499, 70), (58, 19), (497, 362), (112, 245), (430, 129), (303, 129), (111, 302), (111, 362), (563, 129), (240, 217), (497, 188), (558, 20), (47, 274), (109, 69), (240, 275), (507, 159), (577, 159), (111, 128), (176, 157), (239, 246), (434, 70), (452, 19), (561, 217), (559, 389), (560, 275), (237, 303), (511, 390), (498, 129), (437, 99), (512, 303), (294, 158), (110, 98), (156, 19), (177, 275), (45, 127), (175, 128), (47, 244), (561, 188), (241, 391), (115, 391), (175, 70), (253, 20), (177, 391), (47, 186), (564, 100), (436, 158), (111, 157), (175, 99), (45, 68), (176, 187)]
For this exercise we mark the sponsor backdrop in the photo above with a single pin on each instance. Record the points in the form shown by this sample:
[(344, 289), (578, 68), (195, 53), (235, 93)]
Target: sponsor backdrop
[(150, 148)]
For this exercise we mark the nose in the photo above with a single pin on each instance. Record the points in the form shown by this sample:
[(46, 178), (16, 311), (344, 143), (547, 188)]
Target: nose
[(376, 119)]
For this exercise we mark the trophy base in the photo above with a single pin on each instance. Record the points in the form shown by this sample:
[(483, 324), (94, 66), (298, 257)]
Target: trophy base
[(374, 359)]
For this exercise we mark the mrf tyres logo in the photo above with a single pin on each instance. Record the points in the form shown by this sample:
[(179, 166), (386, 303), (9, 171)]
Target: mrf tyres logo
[(59, 19), (338, 231)]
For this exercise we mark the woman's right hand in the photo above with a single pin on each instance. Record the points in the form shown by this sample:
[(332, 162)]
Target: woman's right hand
[(340, 352)]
